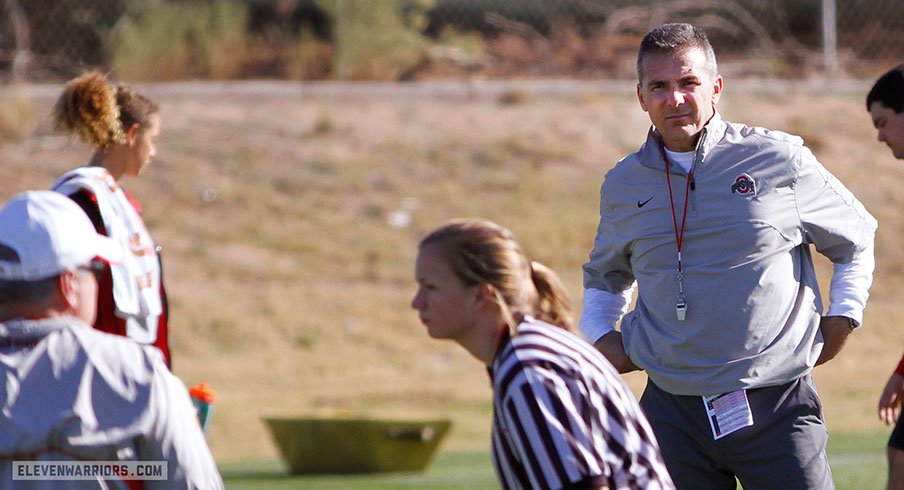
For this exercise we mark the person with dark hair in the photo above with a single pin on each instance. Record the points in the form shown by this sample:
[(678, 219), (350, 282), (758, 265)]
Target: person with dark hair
[(885, 103), (72, 394), (712, 223), (122, 126), (562, 417)]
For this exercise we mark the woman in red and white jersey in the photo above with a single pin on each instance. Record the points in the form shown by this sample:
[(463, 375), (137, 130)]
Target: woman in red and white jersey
[(122, 126)]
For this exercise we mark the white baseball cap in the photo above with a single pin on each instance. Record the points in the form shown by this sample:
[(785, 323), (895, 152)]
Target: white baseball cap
[(51, 234)]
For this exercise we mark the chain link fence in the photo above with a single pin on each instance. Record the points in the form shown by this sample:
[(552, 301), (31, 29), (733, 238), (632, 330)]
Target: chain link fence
[(51, 40)]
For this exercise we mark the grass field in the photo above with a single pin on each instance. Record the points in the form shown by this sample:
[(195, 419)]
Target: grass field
[(289, 223), (858, 463)]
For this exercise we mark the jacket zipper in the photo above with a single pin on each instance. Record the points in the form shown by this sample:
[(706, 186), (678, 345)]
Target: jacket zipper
[(693, 173)]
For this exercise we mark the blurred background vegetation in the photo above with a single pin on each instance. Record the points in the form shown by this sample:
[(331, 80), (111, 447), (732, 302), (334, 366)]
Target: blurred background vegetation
[(161, 40)]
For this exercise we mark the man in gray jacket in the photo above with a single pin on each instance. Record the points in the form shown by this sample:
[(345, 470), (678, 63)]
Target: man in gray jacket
[(80, 408), (712, 223)]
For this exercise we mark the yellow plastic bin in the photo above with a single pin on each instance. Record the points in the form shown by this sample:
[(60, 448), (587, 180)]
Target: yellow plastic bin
[(341, 444)]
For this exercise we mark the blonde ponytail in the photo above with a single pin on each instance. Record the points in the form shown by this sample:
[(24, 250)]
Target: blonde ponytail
[(553, 304)]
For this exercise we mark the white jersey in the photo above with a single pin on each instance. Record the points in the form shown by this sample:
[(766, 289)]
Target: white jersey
[(72, 393), (136, 281)]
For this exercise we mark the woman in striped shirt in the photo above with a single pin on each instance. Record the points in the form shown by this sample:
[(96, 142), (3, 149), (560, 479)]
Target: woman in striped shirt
[(562, 416)]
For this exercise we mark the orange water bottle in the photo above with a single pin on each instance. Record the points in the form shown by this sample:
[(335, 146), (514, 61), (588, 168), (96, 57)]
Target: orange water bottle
[(203, 397)]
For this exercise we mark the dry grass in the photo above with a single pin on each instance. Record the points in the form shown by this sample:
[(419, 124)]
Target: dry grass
[(290, 287), (17, 117)]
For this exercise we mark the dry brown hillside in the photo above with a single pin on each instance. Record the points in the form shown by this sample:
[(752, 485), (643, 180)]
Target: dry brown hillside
[(289, 220)]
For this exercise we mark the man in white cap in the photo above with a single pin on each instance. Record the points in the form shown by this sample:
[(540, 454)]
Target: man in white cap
[(71, 394)]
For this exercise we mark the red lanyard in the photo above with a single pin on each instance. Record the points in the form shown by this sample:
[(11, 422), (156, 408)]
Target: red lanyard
[(679, 235)]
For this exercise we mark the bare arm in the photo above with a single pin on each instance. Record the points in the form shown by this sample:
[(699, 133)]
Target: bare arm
[(611, 346), (890, 400), (835, 331)]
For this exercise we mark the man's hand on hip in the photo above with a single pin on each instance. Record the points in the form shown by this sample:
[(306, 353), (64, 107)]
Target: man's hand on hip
[(611, 346), (835, 331)]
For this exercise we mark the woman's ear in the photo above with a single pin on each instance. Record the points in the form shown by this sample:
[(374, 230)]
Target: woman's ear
[(486, 292), (132, 133)]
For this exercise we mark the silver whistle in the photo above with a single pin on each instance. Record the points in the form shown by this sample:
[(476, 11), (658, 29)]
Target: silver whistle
[(681, 308)]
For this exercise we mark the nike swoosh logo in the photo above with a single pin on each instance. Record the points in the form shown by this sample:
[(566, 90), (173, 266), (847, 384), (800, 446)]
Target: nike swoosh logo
[(644, 203)]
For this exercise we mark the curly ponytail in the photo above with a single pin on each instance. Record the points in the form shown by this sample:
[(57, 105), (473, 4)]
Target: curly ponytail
[(88, 108), (99, 113)]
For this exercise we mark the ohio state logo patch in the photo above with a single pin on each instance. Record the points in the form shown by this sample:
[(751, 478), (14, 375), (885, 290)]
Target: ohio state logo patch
[(744, 184)]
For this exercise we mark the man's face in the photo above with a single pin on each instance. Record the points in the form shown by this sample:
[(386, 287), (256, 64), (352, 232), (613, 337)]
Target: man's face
[(679, 93), (890, 127)]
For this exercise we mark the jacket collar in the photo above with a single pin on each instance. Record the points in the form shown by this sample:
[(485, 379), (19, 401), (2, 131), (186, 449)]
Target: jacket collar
[(712, 133), (21, 329)]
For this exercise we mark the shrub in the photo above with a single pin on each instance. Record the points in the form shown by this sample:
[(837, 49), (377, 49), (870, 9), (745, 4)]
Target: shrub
[(196, 39), (378, 40)]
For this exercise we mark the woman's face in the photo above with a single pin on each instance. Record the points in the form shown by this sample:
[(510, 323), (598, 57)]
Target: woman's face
[(445, 304), (143, 145)]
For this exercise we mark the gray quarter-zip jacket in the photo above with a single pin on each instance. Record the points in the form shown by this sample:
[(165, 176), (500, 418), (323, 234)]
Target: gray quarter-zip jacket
[(757, 201)]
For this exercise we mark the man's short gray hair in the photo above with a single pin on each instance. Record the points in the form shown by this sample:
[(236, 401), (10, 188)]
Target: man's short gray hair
[(675, 37)]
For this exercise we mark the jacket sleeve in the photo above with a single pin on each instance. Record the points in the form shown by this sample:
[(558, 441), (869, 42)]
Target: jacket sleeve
[(849, 289), (609, 266), (840, 228), (176, 436), (608, 278), (832, 218), (602, 311)]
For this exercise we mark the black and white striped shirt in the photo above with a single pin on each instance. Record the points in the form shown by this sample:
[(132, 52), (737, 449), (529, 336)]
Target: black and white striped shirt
[(563, 417)]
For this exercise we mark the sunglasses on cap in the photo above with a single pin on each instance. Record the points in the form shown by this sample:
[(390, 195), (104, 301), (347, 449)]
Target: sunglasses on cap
[(96, 267)]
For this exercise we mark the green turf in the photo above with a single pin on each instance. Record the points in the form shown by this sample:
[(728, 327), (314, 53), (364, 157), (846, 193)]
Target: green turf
[(858, 460), (471, 470), (858, 463)]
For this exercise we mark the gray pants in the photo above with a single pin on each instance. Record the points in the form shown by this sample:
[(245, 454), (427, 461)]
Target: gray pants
[(784, 449)]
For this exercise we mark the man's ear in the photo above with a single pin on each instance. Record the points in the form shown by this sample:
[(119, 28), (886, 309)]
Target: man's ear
[(68, 290), (717, 89), (643, 105)]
